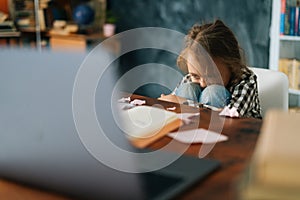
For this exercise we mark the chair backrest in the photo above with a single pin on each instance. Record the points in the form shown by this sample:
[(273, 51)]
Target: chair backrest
[(273, 89)]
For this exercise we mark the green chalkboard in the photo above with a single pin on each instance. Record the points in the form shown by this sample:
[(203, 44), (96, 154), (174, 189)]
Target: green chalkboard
[(249, 20)]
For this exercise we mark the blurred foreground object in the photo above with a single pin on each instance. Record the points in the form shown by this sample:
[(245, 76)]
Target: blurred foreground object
[(273, 172)]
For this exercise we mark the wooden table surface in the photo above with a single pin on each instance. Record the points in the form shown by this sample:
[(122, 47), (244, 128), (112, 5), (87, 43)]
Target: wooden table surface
[(234, 155)]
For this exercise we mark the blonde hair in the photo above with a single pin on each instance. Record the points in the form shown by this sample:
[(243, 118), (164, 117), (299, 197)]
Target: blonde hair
[(219, 42)]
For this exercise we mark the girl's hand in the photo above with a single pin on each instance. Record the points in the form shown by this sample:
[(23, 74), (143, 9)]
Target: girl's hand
[(172, 98)]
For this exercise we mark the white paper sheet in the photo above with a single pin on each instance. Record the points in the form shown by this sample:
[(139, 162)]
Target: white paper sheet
[(198, 136), (138, 102), (171, 108), (229, 112), (187, 117)]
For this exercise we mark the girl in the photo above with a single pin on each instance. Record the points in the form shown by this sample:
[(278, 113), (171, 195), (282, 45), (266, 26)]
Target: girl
[(216, 74)]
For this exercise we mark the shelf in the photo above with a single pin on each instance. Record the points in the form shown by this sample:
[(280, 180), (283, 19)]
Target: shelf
[(293, 91), (289, 38), (10, 34), (283, 46)]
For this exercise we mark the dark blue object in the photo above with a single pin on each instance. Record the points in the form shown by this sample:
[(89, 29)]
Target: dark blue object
[(83, 14)]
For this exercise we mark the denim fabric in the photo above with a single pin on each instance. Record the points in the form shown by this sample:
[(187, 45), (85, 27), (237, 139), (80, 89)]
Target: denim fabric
[(191, 91), (214, 95)]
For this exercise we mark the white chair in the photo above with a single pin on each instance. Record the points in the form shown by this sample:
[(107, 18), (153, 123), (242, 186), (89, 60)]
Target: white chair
[(273, 89)]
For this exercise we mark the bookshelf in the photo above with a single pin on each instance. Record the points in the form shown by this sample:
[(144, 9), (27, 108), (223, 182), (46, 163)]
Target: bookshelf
[(27, 15), (35, 20), (283, 43), (289, 38)]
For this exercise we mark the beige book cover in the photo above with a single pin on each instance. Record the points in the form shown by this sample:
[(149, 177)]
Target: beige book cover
[(286, 66), (273, 172), (291, 67), (276, 160)]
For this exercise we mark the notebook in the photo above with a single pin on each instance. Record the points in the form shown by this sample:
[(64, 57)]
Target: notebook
[(40, 145)]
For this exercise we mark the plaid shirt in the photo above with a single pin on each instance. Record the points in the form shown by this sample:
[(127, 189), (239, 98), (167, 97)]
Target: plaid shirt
[(244, 95)]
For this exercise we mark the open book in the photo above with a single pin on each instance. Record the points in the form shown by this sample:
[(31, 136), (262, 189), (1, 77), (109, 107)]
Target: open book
[(145, 124)]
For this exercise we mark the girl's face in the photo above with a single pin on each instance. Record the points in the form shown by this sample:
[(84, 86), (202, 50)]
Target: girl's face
[(201, 75), (196, 76)]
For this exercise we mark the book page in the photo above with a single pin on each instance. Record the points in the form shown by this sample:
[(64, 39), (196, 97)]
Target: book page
[(145, 124)]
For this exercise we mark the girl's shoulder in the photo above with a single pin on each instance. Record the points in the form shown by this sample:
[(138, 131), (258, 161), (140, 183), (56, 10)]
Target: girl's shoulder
[(247, 72), (248, 77)]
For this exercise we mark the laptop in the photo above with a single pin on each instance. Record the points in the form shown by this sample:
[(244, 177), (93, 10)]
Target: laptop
[(40, 145)]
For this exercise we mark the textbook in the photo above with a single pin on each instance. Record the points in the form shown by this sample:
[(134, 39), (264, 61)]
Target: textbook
[(291, 67), (273, 172), (146, 124)]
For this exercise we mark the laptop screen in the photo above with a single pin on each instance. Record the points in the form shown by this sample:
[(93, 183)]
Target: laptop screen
[(40, 144)]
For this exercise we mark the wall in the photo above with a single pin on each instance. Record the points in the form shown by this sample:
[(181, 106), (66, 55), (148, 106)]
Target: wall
[(249, 20)]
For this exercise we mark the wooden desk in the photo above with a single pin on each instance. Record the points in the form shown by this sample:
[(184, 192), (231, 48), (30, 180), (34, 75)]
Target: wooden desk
[(234, 155)]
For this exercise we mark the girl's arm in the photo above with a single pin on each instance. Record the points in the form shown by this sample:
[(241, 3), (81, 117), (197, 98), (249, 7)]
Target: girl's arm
[(245, 98), (172, 98)]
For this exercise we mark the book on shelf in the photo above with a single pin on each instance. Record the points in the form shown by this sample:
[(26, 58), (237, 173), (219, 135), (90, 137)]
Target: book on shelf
[(8, 29), (282, 16), (146, 124), (291, 67), (296, 22), (289, 17), (273, 172), (7, 26), (286, 20), (24, 13), (292, 20)]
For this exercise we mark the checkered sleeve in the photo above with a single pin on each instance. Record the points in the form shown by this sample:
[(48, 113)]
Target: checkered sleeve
[(244, 96)]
